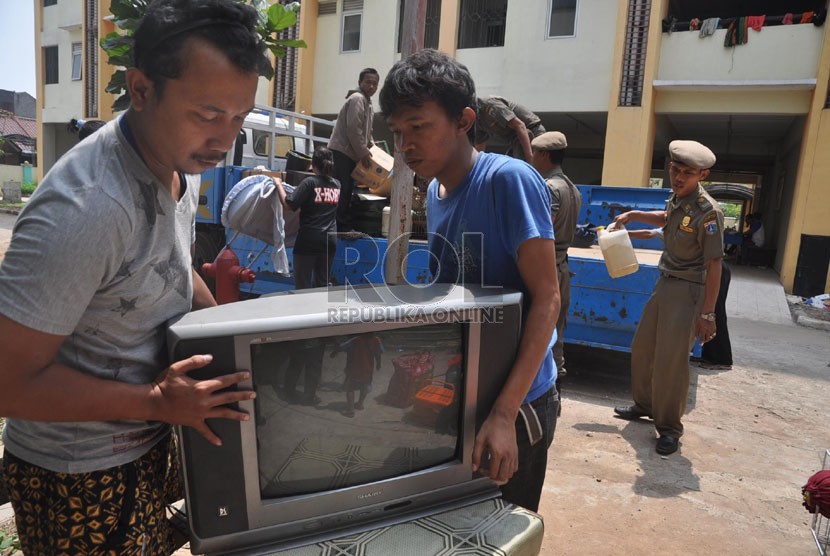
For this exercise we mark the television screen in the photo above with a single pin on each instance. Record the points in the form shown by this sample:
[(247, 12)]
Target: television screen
[(365, 414), (348, 410)]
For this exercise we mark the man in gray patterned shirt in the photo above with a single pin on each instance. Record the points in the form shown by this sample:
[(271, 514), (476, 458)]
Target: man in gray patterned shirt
[(99, 262)]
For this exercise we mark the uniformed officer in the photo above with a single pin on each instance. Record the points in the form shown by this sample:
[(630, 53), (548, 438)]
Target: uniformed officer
[(506, 127), (548, 154), (682, 306)]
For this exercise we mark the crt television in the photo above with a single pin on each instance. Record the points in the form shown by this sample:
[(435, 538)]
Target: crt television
[(368, 402)]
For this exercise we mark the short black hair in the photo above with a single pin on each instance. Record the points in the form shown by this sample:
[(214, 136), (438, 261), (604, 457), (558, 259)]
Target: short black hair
[(323, 160), (429, 75), (556, 156), (367, 71), (159, 40)]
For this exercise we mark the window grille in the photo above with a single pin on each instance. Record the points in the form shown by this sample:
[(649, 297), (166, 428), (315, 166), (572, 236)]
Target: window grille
[(285, 71), (431, 24), (327, 8), (91, 59), (634, 53), (482, 23), (352, 5)]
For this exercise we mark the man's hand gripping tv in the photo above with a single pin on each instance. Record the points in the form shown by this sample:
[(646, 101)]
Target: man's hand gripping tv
[(181, 400), (496, 454)]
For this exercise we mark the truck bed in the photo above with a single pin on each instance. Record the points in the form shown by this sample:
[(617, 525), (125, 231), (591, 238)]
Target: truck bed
[(644, 256), (605, 311)]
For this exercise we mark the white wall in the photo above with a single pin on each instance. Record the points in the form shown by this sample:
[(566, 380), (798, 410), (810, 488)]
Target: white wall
[(56, 141), (62, 27), (784, 52), (546, 75), (549, 75), (14, 173), (65, 13), (335, 72)]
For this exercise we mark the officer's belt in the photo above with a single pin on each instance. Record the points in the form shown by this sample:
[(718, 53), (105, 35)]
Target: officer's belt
[(667, 275)]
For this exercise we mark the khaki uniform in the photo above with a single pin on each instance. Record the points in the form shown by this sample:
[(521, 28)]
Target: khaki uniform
[(494, 114), (660, 351), (566, 201)]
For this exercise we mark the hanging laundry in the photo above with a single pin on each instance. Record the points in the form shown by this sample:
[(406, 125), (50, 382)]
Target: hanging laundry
[(694, 24), (807, 17), (787, 19), (709, 26), (736, 33), (755, 22)]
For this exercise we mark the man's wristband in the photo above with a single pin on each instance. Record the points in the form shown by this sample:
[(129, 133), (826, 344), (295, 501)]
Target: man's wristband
[(708, 316)]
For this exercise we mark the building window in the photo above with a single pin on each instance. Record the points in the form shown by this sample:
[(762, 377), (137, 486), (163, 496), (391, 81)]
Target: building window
[(351, 32), (352, 22), (47, 3), (50, 65), (482, 23), (76, 61), (431, 24), (562, 18)]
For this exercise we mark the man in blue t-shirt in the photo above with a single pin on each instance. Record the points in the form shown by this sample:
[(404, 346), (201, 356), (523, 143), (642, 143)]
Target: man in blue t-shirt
[(489, 224)]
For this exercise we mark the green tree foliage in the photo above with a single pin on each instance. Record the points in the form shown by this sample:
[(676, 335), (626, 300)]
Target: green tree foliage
[(731, 209), (127, 13)]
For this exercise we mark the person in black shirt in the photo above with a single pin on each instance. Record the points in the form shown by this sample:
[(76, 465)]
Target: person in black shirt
[(317, 197)]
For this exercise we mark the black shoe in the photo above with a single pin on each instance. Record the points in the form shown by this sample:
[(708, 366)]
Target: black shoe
[(667, 445), (629, 412)]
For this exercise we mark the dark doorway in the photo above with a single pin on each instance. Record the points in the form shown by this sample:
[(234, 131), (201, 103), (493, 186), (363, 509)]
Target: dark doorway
[(811, 268)]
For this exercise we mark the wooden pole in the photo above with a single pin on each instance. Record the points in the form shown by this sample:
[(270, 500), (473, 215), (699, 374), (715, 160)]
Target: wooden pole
[(400, 204)]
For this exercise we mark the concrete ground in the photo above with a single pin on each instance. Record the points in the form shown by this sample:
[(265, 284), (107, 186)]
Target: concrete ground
[(754, 435)]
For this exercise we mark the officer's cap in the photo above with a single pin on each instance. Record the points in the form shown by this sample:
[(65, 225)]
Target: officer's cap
[(550, 141), (692, 153)]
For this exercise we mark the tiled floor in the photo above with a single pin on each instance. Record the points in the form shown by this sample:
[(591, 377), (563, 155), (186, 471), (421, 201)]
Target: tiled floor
[(757, 294)]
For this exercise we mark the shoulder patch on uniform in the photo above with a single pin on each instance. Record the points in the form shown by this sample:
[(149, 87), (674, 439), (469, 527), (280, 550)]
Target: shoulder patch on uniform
[(711, 226)]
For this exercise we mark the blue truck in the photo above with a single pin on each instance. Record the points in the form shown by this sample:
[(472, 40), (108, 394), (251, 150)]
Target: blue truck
[(604, 312)]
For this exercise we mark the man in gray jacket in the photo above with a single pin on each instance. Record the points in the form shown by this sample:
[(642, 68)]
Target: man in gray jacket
[(351, 139)]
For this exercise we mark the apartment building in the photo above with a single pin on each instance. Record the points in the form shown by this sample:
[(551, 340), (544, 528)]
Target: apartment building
[(620, 78)]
